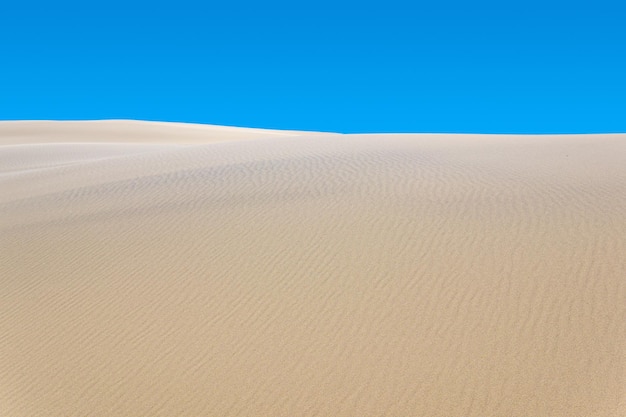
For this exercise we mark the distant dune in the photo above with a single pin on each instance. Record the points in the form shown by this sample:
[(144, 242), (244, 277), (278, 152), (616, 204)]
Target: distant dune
[(156, 269)]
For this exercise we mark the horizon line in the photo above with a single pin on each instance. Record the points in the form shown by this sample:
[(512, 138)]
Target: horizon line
[(498, 133)]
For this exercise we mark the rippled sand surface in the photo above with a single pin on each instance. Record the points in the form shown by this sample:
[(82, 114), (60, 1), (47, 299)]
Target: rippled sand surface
[(154, 269)]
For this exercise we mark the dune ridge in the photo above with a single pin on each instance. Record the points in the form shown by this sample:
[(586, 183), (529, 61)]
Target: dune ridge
[(154, 269)]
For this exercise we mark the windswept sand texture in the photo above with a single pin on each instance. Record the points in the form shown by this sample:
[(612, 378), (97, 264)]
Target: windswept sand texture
[(153, 269)]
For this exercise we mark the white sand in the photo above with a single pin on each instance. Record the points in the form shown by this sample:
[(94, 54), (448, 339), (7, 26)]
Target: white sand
[(154, 269)]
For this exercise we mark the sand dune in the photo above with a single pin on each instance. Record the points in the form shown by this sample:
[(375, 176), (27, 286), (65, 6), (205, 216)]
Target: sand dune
[(154, 269), (127, 131)]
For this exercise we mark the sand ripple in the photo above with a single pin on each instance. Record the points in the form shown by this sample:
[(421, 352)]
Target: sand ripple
[(311, 275)]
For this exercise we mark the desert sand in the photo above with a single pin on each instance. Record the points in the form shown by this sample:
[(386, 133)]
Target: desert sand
[(155, 269)]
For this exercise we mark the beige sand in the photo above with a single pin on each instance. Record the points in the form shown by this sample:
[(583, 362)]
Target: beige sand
[(149, 269)]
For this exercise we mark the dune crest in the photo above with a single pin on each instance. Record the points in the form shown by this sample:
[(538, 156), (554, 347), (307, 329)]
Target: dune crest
[(155, 269)]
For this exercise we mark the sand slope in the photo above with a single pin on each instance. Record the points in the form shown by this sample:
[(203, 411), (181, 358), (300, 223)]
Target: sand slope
[(149, 269)]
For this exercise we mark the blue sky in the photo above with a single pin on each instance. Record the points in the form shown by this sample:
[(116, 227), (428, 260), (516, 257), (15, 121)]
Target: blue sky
[(348, 66)]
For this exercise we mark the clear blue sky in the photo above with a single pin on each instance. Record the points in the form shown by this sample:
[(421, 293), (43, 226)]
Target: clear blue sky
[(526, 66)]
